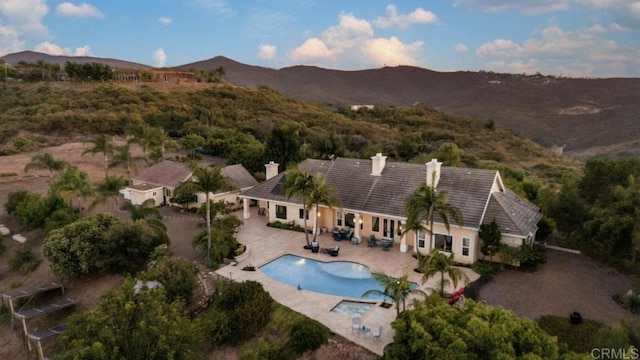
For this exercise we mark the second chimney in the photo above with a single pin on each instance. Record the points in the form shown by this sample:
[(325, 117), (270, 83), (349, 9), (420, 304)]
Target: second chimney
[(433, 172), (377, 164), (271, 169)]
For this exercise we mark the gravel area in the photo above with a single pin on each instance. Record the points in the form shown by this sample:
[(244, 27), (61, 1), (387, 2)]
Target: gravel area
[(566, 283)]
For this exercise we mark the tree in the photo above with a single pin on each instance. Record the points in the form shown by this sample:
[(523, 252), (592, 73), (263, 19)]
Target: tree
[(133, 325), (439, 263), (449, 153), (208, 180), (45, 161), (284, 141), (73, 182), (148, 215), (423, 205), (110, 188), (321, 193), (491, 238), (102, 143), (122, 157), (192, 142), (299, 183), (223, 230), (441, 331), (396, 289), (176, 274)]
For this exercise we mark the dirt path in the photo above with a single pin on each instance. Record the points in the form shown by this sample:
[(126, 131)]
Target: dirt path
[(566, 283)]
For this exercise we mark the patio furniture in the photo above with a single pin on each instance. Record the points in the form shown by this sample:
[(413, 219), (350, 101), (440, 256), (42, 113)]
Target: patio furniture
[(336, 235), (376, 333), (387, 244), (371, 242), (315, 247), (355, 240), (331, 251), (356, 322)]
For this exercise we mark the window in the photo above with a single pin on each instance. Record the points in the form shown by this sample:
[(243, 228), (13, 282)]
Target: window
[(155, 193), (302, 214), (350, 220), (339, 218), (422, 236), (443, 242), (168, 192), (375, 224), (281, 212), (465, 246)]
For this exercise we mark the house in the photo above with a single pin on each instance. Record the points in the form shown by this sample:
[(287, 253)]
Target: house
[(159, 181), (373, 192)]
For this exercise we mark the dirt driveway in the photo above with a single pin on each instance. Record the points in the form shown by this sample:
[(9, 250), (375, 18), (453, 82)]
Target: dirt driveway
[(566, 283)]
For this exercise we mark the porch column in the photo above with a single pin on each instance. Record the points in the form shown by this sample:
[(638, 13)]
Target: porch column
[(403, 243), (358, 221), (245, 209)]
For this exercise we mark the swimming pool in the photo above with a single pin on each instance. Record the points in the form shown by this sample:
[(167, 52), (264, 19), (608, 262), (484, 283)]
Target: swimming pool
[(340, 278)]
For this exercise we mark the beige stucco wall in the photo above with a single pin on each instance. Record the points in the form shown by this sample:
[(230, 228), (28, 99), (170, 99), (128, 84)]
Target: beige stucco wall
[(140, 196), (293, 215)]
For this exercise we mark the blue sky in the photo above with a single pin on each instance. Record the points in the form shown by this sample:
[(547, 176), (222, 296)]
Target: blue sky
[(579, 38)]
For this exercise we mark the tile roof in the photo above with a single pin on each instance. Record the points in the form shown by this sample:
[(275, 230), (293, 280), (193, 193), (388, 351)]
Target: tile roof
[(171, 173), (168, 174), (513, 214), (467, 189)]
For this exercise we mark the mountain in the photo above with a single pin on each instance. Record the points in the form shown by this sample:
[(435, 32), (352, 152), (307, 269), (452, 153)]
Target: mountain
[(33, 57), (584, 117)]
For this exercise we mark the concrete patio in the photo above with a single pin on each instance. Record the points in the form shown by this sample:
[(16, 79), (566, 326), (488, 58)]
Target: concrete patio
[(266, 244)]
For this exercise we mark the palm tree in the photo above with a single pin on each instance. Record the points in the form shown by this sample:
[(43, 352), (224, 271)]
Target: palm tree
[(423, 205), (397, 289), (159, 141), (320, 194), (45, 161), (122, 157), (439, 263), (300, 184), (208, 180), (147, 214), (102, 144), (73, 182), (110, 188)]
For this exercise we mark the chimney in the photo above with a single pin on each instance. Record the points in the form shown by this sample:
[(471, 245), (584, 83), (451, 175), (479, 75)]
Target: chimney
[(377, 164), (271, 169), (433, 172)]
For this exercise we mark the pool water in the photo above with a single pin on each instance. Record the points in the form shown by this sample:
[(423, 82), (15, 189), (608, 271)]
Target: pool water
[(352, 308), (340, 278)]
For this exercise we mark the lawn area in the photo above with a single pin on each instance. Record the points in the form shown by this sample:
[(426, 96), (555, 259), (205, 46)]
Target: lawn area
[(577, 337)]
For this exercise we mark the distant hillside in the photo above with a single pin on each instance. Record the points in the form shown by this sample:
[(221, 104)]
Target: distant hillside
[(33, 57), (584, 117)]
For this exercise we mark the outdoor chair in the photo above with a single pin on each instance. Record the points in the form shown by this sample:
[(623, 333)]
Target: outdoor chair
[(386, 245), (315, 247), (356, 323), (371, 242), (334, 251), (336, 236), (376, 333)]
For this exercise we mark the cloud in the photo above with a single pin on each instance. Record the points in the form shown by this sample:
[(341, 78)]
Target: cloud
[(461, 48), (418, 16), (311, 49), (83, 10), (160, 58), (53, 49), (217, 6), (25, 15), (165, 20), (351, 44), (9, 40), (557, 51), (267, 52), (391, 52)]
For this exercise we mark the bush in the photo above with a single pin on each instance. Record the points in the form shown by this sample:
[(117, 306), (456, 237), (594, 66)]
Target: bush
[(629, 301), (5, 315), (214, 325), (248, 307), (578, 338), (23, 260), (177, 276), (3, 247), (308, 334), (14, 199), (485, 268), (531, 259)]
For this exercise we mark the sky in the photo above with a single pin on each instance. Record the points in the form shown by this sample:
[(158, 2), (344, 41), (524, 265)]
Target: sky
[(574, 38)]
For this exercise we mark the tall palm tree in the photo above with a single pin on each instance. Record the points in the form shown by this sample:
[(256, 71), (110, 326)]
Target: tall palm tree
[(148, 215), (159, 141), (208, 180), (320, 193), (45, 161), (122, 157), (439, 263), (109, 188), (300, 184), (397, 289), (102, 143), (73, 182), (423, 205)]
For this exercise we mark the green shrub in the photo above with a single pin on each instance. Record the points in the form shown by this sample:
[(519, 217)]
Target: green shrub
[(5, 315), (14, 199), (308, 334), (578, 337), (214, 325), (629, 301), (177, 276), (248, 307), (3, 247), (485, 268), (23, 260), (531, 259)]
